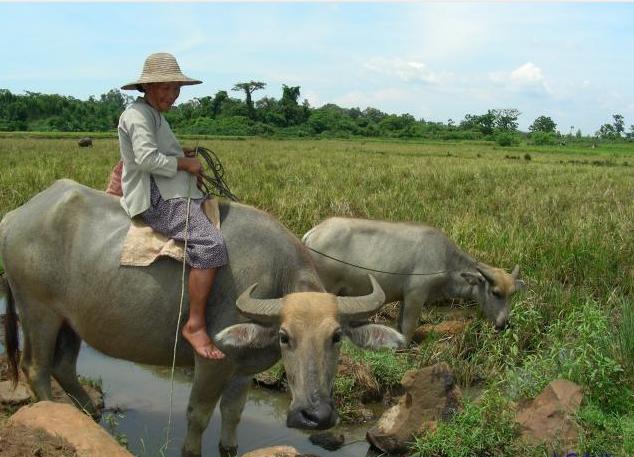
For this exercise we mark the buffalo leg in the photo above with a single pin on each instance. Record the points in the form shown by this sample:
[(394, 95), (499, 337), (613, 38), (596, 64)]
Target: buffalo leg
[(231, 405), (409, 314), (209, 381), (41, 334), (65, 369)]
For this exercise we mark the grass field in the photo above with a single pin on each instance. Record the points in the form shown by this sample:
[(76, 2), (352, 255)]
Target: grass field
[(565, 214)]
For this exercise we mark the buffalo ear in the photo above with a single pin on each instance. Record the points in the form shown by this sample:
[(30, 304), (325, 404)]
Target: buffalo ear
[(373, 336), (474, 279), (243, 336)]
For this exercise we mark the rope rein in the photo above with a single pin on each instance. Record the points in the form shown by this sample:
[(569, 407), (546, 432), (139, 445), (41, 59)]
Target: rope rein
[(209, 186), (379, 271), (180, 313), (216, 184)]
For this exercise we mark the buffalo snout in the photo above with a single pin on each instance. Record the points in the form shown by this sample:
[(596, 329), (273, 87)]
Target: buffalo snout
[(319, 416), (502, 324)]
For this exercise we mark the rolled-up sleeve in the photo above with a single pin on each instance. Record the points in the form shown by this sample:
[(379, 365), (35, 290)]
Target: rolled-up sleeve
[(145, 148)]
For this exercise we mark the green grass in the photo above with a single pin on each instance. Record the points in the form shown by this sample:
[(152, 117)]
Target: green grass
[(566, 216)]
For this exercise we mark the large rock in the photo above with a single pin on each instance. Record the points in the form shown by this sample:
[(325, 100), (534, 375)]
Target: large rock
[(67, 422), (548, 418), (430, 395), (14, 395), (275, 451), (445, 328), (23, 394)]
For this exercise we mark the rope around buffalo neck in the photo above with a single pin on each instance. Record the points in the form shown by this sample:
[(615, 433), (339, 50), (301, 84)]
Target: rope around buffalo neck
[(378, 271), (180, 314)]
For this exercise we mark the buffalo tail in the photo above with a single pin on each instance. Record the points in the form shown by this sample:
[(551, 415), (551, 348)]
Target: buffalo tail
[(11, 335)]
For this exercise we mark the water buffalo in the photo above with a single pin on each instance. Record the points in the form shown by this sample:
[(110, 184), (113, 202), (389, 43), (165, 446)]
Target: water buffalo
[(61, 257), (85, 142), (426, 266)]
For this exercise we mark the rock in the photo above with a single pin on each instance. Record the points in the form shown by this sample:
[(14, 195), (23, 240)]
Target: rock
[(430, 395), (275, 451), (327, 440), (446, 328), (547, 418), (67, 422), (14, 397)]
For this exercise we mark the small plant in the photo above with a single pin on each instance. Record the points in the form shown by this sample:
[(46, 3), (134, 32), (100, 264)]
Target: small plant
[(625, 339), (112, 422), (96, 384)]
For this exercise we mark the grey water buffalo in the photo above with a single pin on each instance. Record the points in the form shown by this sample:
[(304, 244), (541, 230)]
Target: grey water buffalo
[(420, 263), (61, 257), (85, 142)]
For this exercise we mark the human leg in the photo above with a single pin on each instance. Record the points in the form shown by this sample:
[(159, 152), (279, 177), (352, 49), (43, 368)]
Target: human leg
[(195, 329)]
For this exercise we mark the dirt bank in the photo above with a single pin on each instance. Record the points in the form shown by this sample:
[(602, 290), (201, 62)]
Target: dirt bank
[(17, 441)]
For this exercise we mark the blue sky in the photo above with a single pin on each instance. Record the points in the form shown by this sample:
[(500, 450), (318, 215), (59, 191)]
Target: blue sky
[(573, 62)]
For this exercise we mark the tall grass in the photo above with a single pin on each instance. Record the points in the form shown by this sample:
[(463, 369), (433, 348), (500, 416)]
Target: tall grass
[(566, 216)]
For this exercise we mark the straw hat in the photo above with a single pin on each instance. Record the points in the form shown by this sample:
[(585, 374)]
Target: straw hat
[(161, 68)]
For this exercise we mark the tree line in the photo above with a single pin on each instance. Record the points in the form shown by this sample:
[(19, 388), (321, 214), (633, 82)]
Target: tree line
[(224, 114)]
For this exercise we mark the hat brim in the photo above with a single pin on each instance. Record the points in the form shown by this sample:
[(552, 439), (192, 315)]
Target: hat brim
[(183, 82)]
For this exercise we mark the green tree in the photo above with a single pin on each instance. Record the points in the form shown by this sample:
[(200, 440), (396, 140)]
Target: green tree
[(607, 132), (484, 123), (619, 124), (543, 124), (248, 88), (506, 119), (291, 110)]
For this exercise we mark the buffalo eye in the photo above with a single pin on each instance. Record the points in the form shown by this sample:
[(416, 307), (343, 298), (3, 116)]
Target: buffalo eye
[(283, 338), (496, 293), (336, 337)]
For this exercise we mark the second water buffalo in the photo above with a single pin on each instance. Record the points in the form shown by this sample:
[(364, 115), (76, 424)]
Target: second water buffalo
[(414, 264)]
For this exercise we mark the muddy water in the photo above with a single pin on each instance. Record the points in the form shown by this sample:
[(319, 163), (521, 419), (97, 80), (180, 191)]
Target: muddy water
[(143, 394)]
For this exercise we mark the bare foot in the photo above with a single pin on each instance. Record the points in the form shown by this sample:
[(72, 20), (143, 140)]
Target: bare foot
[(202, 344)]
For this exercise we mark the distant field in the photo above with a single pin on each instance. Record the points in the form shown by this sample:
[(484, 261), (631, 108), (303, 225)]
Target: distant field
[(565, 214)]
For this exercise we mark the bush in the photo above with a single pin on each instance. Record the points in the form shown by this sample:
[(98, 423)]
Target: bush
[(507, 139), (543, 138), (485, 429), (576, 347)]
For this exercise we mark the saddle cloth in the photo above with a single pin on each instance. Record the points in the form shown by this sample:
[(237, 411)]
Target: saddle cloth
[(142, 245)]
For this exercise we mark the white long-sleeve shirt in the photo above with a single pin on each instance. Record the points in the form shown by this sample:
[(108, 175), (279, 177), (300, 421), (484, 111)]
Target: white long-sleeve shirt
[(149, 148)]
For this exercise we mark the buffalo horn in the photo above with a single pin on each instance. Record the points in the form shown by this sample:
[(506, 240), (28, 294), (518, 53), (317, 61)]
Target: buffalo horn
[(516, 272), (486, 272), (258, 309), (359, 308)]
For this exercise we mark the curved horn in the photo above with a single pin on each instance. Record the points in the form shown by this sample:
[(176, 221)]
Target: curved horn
[(516, 272), (258, 309), (485, 271), (358, 308)]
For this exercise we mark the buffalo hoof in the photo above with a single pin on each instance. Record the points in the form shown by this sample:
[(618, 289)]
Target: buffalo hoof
[(231, 451)]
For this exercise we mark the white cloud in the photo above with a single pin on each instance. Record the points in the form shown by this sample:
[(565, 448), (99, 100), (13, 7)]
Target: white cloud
[(406, 70), (525, 77), (378, 98), (442, 31)]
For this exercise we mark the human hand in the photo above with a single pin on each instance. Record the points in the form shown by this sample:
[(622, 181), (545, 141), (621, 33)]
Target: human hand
[(191, 165), (189, 152)]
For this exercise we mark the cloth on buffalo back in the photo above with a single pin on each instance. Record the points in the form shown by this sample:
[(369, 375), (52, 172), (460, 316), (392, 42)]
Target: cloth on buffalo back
[(114, 185), (142, 245)]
